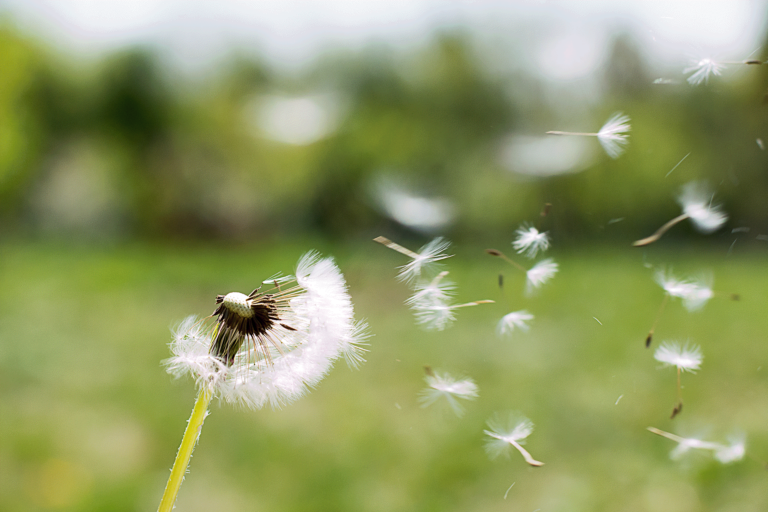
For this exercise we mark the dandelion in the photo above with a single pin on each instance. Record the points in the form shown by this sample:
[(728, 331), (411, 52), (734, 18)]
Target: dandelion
[(509, 432), (697, 204), (530, 241), (723, 453), (441, 385), (510, 321), (422, 261), (685, 358), (267, 347), (612, 136)]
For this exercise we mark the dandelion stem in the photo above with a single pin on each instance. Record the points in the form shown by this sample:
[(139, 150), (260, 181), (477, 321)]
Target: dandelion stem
[(397, 247), (669, 436), (188, 442), (527, 456), (495, 252), (663, 229), (573, 133), (475, 303), (679, 407), (751, 62), (439, 277)]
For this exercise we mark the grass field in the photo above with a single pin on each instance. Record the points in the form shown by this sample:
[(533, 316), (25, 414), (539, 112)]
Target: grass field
[(89, 420)]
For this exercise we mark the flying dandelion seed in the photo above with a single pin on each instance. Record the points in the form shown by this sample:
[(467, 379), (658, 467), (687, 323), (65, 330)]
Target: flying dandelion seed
[(443, 386), (612, 136), (512, 321), (705, 67), (696, 202), (422, 262), (435, 315), (509, 432), (530, 241), (437, 291), (685, 358), (697, 205), (536, 276), (430, 303), (267, 347), (732, 452), (694, 294), (539, 274), (724, 454)]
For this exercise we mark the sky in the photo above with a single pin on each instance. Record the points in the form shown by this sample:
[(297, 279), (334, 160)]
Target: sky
[(571, 41)]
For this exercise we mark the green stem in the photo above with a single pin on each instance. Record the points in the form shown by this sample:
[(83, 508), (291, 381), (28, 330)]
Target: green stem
[(188, 442)]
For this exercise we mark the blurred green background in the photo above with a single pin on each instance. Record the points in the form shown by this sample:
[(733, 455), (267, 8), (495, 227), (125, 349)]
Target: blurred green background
[(132, 193)]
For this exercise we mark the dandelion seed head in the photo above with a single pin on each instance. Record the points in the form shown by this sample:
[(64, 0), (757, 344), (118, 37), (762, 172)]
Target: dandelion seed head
[(687, 358), (702, 69), (539, 274), (238, 304), (613, 137), (530, 241), (696, 202), (270, 348), (442, 385), (427, 256), (510, 321)]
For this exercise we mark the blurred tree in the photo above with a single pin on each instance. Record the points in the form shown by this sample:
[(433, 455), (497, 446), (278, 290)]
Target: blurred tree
[(123, 145), (423, 119), (626, 73), (22, 134)]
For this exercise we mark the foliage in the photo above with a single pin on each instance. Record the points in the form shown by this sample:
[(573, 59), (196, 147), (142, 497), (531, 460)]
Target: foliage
[(124, 147)]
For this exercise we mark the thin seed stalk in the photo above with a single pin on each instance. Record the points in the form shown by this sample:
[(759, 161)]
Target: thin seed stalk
[(573, 133), (656, 321), (514, 263), (663, 229), (527, 456), (188, 442)]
